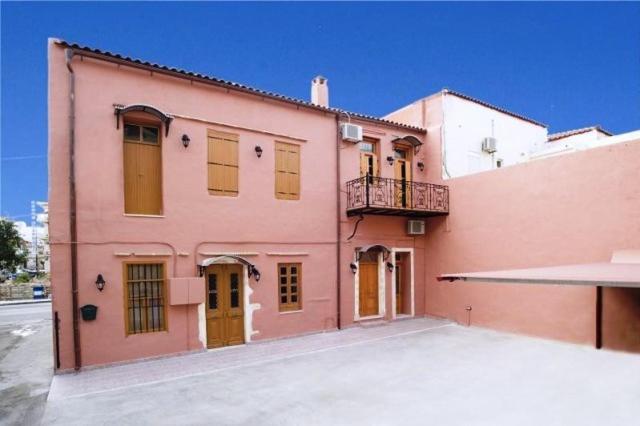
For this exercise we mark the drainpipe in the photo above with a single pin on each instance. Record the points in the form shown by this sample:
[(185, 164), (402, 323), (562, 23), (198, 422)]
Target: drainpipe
[(72, 212), (338, 218)]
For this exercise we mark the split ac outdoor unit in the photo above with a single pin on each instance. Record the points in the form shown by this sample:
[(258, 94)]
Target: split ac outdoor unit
[(415, 227), (489, 145), (351, 132)]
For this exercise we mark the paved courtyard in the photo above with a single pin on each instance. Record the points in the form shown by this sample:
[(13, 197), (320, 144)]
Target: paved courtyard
[(421, 371), (26, 362)]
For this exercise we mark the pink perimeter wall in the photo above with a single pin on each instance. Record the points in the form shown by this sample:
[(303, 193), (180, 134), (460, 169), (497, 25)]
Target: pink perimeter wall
[(574, 208)]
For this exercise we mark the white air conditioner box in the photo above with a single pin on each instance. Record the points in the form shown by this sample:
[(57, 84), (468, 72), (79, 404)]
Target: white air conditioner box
[(489, 145), (351, 132), (415, 227)]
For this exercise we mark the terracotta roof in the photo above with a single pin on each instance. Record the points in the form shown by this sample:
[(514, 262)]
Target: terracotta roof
[(116, 57), (562, 135), (496, 108)]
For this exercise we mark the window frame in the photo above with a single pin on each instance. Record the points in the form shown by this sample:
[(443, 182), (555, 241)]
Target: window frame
[(142, 122), (370, 156), (289, 306), (125, 294)]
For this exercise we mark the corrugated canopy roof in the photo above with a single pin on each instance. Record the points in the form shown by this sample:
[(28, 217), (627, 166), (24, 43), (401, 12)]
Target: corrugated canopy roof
[(622, 271)]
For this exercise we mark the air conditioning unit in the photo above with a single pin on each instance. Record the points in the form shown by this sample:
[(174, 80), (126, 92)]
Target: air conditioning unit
[(489, 145), (351, 132), (415, 227)]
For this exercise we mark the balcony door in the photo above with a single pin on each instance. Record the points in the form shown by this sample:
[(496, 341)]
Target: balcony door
[(402, 187), (225, 313)]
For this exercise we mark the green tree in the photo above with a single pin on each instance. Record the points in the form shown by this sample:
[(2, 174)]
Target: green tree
[(11, 246)]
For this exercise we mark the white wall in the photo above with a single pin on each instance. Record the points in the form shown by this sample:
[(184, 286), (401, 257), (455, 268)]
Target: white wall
[(467, 123), (583, 141)]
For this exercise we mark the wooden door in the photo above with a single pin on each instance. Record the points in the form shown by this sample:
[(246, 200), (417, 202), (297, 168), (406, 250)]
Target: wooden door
[(368, 292), (399, 287), (402, 171), (142, 170), (224, 310)]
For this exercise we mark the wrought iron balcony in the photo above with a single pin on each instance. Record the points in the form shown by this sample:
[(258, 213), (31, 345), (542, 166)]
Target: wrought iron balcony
[(396, 197)]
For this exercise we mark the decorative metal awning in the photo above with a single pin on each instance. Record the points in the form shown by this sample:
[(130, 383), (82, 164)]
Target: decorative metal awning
[(148, 109), (251, 268), (384, 249), (410, 140)]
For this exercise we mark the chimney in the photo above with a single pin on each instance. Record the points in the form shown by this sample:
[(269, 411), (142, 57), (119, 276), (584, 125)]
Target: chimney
[(320, 91)]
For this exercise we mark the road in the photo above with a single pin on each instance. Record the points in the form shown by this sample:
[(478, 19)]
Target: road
[(26, 362)]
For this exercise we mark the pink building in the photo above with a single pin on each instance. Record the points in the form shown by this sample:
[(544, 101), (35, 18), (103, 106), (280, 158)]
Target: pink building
[(196, 213)]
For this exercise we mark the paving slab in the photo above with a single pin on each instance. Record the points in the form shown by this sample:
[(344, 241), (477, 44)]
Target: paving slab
[(411, 372)]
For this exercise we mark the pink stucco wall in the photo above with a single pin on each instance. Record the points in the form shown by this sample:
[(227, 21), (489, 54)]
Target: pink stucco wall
[(193, 221), (573, 209), (570, 209)]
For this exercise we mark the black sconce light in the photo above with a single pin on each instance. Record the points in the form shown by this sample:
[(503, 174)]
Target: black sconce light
[(390, 160), (254, 271), (421, 165), (390, 266), (353, 267), (258, 151), (100, 282), (201, 270), (185, 140)]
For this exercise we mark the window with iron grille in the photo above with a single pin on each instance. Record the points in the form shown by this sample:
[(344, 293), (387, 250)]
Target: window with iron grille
[(145, 297), (289, 283)]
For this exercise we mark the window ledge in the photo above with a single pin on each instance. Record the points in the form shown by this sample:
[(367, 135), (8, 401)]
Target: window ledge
[(297, 311), (143, 215)]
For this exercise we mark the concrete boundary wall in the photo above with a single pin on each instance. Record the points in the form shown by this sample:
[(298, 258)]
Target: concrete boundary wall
[(576, 208)]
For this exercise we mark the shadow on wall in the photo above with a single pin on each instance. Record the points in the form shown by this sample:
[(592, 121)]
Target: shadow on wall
[(621, 319)]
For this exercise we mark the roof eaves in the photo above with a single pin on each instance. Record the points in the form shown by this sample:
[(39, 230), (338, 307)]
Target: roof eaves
[(496, 108), (106, 55), (561, 135)]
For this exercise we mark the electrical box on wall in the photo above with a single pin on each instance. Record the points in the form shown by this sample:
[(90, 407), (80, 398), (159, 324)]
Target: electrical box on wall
[(415, 227)]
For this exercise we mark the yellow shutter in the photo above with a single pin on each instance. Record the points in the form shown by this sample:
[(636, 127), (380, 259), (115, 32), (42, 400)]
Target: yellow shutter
[(287, 170), (222, 163), (363, 164)]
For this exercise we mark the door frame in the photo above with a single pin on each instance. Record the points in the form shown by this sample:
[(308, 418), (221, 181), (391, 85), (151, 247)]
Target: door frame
[(411, 263), (248, 307), (381, 290)]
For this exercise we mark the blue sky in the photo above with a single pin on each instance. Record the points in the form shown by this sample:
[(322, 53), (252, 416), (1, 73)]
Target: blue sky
[(566, 64)]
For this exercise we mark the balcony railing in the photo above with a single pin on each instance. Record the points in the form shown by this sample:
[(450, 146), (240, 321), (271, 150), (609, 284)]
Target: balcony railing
[(396, 197)]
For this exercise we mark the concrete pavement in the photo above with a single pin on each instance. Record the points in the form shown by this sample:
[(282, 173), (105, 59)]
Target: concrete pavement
[(26, 364), (412, 372)]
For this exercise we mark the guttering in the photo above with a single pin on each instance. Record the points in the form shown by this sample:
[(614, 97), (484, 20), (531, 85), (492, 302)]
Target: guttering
[(72, 213), (338, 224)]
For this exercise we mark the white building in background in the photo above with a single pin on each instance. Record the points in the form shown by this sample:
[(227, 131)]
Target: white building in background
[(40, 250), (581, 139), (477, 136)]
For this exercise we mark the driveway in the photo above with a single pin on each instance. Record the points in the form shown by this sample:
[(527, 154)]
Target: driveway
[(26, 363), (414, 372)]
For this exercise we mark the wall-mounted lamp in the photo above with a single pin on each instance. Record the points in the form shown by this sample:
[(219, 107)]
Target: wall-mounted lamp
[(421, 165), (100, 282), (258, 151), (390, 266), (185, 140), (353, 267), (390, 160), (254, 271)]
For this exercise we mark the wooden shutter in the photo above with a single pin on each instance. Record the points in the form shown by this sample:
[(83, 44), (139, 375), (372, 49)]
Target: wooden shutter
[(142, 170), (287, 171), (222, 163)]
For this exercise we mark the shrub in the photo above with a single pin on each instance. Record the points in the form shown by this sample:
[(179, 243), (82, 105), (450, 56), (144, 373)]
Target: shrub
[(23, 278)]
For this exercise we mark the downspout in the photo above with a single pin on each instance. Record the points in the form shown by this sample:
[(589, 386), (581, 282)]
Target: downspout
[(72, 212), (338, 225)]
